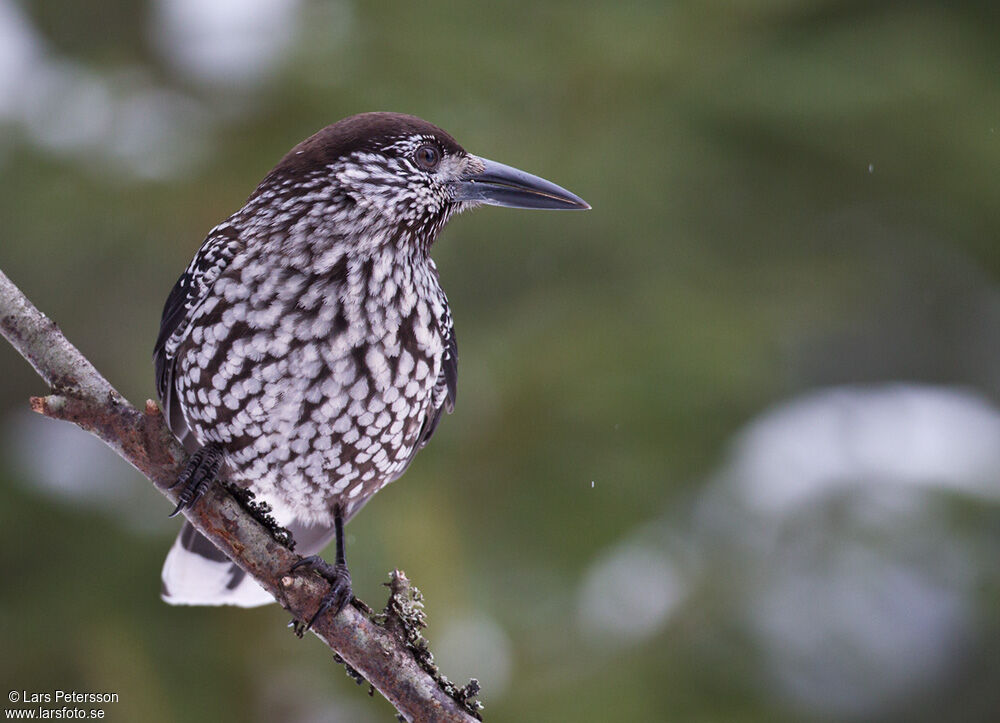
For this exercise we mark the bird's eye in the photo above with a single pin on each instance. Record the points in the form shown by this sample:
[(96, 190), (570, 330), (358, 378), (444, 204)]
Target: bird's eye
[(427, 157)]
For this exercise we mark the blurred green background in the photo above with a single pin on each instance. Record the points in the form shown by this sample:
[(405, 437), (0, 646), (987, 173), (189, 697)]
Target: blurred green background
[(726, 447)]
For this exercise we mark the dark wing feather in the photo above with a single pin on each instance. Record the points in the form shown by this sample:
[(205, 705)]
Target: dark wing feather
[(181, 307), (173, 312)]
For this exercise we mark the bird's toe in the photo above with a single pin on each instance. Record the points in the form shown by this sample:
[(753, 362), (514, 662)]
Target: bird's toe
[(339, 577)]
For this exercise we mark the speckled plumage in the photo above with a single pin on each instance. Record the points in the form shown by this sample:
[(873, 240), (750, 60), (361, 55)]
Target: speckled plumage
[(315, 343), (310, 339)]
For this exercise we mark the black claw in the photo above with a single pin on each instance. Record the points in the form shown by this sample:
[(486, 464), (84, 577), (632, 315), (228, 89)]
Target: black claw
[(312, 561), (199, 472), (338, 576)]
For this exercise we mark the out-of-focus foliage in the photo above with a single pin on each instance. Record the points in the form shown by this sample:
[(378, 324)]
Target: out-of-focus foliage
[(787, 195)]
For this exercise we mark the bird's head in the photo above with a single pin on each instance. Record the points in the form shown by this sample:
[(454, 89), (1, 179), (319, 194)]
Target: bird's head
[(393, 176)]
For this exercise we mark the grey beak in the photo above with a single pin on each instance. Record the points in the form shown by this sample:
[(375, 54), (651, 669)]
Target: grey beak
[(500, 185)]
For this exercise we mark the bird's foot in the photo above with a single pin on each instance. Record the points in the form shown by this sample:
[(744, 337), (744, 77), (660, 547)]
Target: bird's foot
[(201, 468), (338, 576)]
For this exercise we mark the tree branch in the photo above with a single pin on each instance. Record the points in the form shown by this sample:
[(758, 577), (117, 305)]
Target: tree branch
[(392, 657)]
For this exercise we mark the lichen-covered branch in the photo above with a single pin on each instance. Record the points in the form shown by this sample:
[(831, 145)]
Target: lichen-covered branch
[(382, 651)]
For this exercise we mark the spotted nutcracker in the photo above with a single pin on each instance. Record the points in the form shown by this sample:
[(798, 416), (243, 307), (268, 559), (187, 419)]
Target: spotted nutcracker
[(307, 352)]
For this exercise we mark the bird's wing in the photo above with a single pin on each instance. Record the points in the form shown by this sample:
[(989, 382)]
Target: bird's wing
[(446, 387), (187, 296)]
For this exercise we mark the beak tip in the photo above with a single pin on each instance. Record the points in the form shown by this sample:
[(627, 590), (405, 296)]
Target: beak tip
[(566, 201)]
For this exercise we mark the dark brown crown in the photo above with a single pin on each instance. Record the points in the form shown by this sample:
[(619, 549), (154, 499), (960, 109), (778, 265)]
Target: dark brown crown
[(362, 132)]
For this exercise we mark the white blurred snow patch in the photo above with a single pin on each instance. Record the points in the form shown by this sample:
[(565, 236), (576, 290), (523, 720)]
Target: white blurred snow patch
[(628, 594), (123, 119), (66, 107), (155, 132), (475, 647), (63, 462), (136, 127), (20, 49), (928, 437), (230, 44), (856, 631), (828, 531)]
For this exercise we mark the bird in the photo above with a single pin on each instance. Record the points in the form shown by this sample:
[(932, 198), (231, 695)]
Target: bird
[(308, 352)]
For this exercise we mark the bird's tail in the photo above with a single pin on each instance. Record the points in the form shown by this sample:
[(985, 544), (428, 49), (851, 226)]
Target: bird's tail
[(197, 573)]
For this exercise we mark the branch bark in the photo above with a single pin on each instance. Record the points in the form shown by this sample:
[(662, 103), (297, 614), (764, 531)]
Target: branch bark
[(80, 394)]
